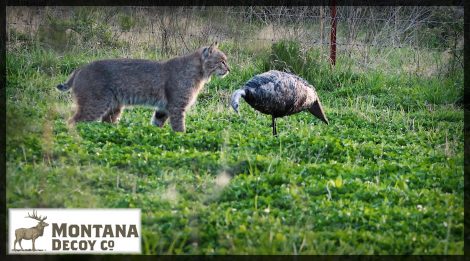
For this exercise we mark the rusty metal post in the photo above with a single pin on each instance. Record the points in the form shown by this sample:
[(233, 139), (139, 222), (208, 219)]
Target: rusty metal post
[(322, 30), (333, 32)]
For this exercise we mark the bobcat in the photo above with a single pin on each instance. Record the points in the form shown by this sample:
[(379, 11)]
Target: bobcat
[(102, 88)]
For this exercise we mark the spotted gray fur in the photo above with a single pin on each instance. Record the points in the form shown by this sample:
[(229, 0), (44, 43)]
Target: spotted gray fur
[(101, 89)]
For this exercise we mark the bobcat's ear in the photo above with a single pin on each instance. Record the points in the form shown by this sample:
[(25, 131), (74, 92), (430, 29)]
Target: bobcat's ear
[(213, 45), (207, 51)]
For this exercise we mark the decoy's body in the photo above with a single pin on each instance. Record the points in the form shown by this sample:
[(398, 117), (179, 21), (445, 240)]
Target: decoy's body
[(279, 94)]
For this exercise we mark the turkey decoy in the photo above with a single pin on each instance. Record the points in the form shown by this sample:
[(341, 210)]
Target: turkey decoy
[(279, 94)]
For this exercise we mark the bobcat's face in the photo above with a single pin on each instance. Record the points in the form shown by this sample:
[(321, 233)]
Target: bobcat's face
[(215, 61)]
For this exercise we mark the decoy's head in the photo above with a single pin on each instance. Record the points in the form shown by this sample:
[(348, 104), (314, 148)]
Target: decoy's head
[(235, 99), (214, 61)]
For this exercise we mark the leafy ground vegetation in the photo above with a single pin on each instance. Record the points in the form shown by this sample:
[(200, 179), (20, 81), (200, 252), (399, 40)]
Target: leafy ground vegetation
[(385, 177)]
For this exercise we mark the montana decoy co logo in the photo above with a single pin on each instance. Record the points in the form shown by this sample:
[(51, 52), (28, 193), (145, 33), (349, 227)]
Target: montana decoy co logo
[(74, 231)]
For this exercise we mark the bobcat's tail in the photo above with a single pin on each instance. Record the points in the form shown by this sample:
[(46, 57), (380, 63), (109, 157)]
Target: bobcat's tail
[(67, 85), (63, 87)]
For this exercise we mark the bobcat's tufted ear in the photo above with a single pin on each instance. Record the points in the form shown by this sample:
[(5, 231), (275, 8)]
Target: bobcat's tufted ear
[(213, 46), (207, 51)]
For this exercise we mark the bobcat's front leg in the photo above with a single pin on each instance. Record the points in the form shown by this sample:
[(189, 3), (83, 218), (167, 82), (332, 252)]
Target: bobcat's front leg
[(159, 118), (177, 117)]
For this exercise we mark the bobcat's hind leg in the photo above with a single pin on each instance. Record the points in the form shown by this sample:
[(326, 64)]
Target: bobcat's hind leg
[(113, 115), (90, 110), (159, 118)]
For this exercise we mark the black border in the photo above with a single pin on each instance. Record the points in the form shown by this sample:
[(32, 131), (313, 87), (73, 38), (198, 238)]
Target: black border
[(466, 131), (3, 135), (234, 3), (3, 239)]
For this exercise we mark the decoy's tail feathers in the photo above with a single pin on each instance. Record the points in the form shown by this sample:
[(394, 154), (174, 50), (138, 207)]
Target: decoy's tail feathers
[(236, 99), (317, 110)]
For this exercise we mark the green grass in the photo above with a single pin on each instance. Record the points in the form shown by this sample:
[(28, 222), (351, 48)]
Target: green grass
[(385, 177)]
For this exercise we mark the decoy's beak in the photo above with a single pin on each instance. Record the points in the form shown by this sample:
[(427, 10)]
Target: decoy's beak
[(235, 107)]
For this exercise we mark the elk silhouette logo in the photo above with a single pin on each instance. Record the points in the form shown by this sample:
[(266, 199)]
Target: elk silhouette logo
[(30, 233)]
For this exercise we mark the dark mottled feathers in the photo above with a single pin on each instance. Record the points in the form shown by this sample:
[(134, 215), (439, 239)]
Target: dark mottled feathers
[(280, 94)]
